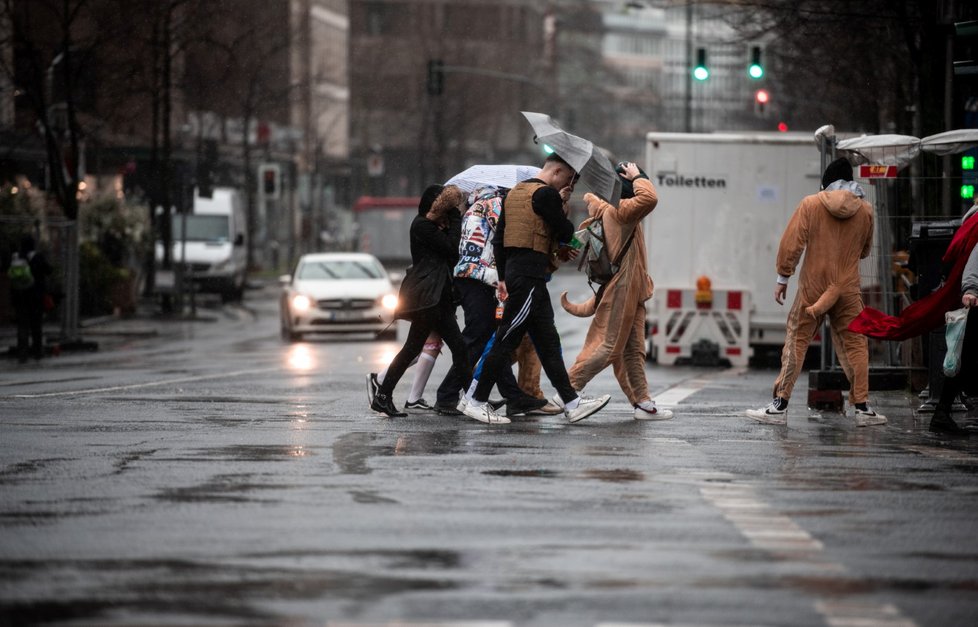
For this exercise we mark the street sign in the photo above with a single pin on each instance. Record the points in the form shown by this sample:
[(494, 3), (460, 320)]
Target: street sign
[(375, 165), (877, 171)]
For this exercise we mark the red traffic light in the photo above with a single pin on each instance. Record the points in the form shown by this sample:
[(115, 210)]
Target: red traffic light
[(761, 96), (782, 127)]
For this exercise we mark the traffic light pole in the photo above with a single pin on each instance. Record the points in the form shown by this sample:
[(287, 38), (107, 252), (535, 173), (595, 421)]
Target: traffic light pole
[(688, 112)]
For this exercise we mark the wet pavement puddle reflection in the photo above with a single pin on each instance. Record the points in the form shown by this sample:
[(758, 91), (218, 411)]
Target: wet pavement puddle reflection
[(352, 451), (615, 475)]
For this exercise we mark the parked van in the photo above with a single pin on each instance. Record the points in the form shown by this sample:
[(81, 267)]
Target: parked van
[(216, 244)]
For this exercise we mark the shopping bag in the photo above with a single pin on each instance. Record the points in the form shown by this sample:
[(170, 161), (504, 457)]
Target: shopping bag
[(956, 321)]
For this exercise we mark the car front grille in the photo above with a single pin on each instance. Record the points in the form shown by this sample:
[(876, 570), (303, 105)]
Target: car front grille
[(345, 303)]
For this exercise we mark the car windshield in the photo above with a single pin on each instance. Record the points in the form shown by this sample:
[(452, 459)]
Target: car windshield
[(340, 269), (201, 228)]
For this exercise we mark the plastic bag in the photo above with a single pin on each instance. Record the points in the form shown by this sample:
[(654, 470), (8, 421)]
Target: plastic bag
[(956, 321)]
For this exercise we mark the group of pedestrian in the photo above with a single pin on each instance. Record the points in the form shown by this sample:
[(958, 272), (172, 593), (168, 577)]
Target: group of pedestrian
[(506, 247), (502, 253)]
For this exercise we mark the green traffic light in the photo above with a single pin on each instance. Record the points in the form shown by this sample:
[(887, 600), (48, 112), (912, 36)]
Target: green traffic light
[(967, 192), (967, 162), (700, 72), (755, 71)]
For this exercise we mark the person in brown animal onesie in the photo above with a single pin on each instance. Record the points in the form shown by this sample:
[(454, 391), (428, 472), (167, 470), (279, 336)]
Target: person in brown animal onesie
[(616, 336), (834, 228)]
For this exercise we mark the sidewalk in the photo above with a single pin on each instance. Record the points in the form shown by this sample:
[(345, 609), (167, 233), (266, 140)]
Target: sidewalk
[(102, 333)]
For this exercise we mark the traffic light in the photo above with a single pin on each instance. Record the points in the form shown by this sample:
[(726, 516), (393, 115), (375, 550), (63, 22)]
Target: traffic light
[(969, 177), (436, 77), (269, 181), (701, 72), (761, 98), (755, 70)]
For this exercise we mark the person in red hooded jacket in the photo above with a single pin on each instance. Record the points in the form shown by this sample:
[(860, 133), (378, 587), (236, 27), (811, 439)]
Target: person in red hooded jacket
[(960, 288)]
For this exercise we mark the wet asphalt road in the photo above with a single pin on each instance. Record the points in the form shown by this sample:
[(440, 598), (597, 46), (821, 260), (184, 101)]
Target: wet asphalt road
[(207, 473)]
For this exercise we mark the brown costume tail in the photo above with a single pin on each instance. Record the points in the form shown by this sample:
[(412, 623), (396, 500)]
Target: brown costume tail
[(581, 310), (824, 302)]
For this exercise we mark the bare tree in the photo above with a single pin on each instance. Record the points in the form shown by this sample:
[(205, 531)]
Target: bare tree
[(52, 41), (242, 70)]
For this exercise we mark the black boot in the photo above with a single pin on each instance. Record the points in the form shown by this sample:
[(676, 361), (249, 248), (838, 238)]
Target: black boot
[(384, 404), (941, 422)]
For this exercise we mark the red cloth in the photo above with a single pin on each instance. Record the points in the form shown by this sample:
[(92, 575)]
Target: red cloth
[(928, 312)]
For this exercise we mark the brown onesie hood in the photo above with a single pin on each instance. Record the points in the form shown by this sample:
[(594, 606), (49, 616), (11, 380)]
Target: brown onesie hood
[(841, 203)]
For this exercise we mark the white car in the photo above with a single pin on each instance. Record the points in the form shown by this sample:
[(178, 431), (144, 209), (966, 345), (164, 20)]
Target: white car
[(338, 292)]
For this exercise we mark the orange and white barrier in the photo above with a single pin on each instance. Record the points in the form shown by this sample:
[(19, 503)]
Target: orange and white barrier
[(685, 317)]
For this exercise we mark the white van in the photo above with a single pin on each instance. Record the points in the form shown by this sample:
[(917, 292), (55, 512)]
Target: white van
[(216, 244)]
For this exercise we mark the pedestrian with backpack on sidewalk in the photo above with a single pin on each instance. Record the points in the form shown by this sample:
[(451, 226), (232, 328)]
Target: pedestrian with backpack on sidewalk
[(616, 336), (28, 273)]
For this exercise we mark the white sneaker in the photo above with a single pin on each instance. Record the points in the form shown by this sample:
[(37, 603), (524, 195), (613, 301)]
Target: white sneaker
[(586, 406), (549, 409), (485, 414), (646, 410), (769, 415), (869, 418), (462, 404), (559, 402), (556, 400)]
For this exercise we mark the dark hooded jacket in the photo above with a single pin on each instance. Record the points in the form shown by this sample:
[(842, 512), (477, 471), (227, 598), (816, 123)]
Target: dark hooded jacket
[(434, 253)]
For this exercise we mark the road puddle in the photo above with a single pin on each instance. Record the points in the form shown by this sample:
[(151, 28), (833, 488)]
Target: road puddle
[(616, 475)]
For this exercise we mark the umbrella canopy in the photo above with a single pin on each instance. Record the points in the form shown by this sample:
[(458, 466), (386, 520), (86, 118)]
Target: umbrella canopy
[(478, 176), (595, 169), (950, 142), (899, 150)]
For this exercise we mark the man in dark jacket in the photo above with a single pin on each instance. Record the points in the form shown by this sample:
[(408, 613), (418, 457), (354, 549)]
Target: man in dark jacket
[(533, 222)]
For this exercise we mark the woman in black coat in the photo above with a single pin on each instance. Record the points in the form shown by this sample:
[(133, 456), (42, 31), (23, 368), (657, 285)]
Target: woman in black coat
[(425, 297)]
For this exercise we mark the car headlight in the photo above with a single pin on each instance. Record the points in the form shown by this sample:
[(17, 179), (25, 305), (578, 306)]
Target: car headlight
[(301, 303), (389, 301)]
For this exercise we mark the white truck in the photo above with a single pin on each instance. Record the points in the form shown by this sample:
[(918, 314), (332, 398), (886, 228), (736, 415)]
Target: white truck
[(724, 200), (216, 247)]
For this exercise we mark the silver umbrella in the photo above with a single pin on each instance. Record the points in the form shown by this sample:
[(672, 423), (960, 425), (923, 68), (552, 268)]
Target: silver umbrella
[(478, 176), (596, 171)]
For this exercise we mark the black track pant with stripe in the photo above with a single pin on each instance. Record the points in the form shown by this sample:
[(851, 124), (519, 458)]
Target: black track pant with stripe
[(528, 309)]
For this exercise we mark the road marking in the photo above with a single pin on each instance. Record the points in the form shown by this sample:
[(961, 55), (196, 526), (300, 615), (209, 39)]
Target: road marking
[(855, 614), (763, 527), (768, 530), (136, 386), (676, 394)]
